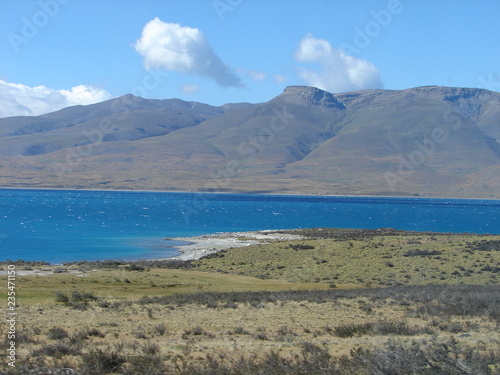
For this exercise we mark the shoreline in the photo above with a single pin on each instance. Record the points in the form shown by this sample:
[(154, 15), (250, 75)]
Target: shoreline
[(250, 193), (195, 247), (200, 246)]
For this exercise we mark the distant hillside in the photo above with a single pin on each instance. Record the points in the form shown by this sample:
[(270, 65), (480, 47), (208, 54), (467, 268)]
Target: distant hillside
[(426, 141)]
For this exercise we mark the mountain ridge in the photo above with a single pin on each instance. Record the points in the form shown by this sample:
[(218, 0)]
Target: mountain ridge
[(425, 141)]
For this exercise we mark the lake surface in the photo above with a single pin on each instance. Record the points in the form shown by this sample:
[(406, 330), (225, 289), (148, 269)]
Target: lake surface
[(69, 225)]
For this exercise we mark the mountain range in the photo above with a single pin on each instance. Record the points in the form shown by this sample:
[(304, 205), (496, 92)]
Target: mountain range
[(424, 141)]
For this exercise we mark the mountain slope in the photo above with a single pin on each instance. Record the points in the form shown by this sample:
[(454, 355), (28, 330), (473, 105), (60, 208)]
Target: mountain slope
[(127, 118), (428, 141), (411, 141)]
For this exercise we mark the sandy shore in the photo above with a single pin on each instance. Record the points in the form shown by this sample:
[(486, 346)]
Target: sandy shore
[(46, 271), (196, 248), (201, 246)]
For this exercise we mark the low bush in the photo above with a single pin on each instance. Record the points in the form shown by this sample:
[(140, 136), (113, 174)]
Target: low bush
[(94, 332), (196, 331), (61, 297), (285, 334), (357, 234), (101, 362), (484, 245), (395, 357), (238, 331), (383, 327), (301, 247), (420, 253), (352, 329), (26, 336), (391, 327), (135, 267), (57, 350), (56, 333), (78, 337), (148, 362), (433, 300), (159, 330), (78, 300)]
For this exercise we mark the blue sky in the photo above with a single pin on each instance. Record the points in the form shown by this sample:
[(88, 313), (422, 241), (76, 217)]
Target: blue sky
[(55, 53)]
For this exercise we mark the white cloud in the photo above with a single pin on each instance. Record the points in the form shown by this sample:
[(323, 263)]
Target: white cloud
[(190, 89), (278, 78), (338, 72), (257, 76), (20, 100), (183, 49)]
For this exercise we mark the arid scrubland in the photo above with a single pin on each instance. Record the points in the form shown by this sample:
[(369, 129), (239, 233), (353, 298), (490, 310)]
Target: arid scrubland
[(213, 317)]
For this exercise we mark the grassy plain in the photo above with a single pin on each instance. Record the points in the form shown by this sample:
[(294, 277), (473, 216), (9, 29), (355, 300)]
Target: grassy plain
[(121, 284), (370, 258), (336, 302)]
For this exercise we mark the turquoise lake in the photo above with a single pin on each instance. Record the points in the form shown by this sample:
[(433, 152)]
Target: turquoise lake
[(70, 225)]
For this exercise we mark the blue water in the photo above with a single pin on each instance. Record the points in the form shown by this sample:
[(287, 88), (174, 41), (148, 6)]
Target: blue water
[(69, 225)]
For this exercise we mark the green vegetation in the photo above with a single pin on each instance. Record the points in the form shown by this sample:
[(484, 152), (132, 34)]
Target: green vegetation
[(77, 287), (367, 257)]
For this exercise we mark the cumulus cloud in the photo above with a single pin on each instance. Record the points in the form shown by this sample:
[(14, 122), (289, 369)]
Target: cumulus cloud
[(257, 76), (183, 49), (337, 71), (190, 89), (278, 78), (20, 100)]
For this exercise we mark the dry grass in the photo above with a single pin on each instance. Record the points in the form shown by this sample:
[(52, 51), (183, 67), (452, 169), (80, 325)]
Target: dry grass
[(339, 322), (123, 284), (178, 321)]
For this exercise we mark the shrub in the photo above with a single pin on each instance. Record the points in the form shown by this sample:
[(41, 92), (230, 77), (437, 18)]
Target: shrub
[(230, 305), (434, 300), (301, 247), (95, 333), (104, 304), (417, 252), (25, 336), (99, 362), (260, 336), (396, 328), (149, 362), (140, 334), (394, 358), (160, 329), (484, 245), (56, 333), (135, 267), (77, 296), (238, 331), (78, 337), (61, 297), (285, 334), (351, 329), (457, 327), (196, 331), (57, 350), (422, 357)]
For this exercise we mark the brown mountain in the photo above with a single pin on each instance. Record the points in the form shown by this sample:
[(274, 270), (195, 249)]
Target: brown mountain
[(427, 141)]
